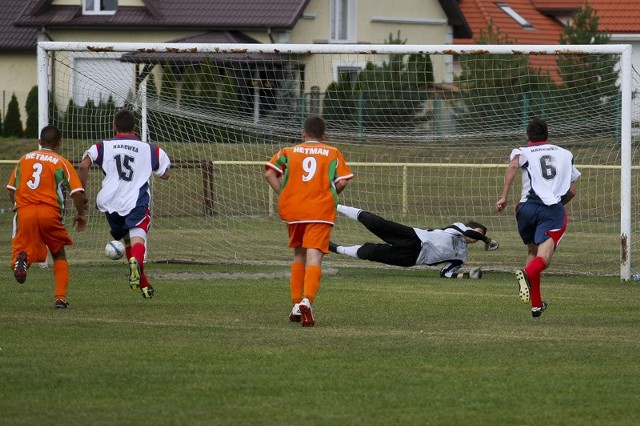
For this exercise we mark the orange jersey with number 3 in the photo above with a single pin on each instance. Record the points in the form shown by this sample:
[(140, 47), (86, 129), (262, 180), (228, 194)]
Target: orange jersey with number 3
[(40, 179), (309, 172)]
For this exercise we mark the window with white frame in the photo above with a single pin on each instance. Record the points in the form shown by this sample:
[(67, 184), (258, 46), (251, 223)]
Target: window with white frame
[(348, 74), (347, 71), (99, 7), (343, 21), (514, 15)]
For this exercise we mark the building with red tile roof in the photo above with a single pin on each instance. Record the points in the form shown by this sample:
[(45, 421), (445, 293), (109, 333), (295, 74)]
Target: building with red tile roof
[(542, 22)]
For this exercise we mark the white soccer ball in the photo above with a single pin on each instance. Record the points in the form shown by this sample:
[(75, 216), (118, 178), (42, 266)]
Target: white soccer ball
[(114, 250)]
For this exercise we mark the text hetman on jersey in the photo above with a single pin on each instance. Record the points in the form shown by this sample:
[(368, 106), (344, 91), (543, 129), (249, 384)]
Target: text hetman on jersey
[(311, 151), (42, 157), (127, 147)]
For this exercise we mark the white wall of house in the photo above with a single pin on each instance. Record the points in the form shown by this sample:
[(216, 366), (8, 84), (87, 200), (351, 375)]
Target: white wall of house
[(18, 71), (419, 22)]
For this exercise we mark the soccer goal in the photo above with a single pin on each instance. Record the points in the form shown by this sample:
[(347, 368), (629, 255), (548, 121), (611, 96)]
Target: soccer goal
[(427, 131)]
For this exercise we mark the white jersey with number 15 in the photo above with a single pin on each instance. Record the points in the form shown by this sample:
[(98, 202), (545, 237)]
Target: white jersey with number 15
[(127, 164)]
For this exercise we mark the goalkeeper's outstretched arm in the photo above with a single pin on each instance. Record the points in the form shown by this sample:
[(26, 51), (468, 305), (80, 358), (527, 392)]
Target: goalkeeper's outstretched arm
[(489, 243)]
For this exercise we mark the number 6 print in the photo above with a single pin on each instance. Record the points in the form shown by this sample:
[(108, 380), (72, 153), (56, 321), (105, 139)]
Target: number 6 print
[(546, 166)]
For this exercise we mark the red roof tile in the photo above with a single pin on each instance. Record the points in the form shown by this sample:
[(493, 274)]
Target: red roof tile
[(479, 13), (614, 16), (544, 30), (557, 4), (617, 16)]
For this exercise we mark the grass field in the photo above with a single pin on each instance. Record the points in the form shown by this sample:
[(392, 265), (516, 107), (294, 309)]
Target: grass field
[(390, 346)]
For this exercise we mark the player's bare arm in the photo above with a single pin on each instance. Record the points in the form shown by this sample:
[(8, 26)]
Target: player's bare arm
[(341, 185), (570, 194), (510, 175), (80, 202), (83, 170), (273, 179)]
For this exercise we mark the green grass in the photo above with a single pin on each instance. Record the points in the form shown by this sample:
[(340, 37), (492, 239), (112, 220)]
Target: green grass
[(390, 346)]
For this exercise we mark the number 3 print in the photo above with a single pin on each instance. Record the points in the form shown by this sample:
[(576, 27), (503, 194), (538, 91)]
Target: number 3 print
[(34, 182)]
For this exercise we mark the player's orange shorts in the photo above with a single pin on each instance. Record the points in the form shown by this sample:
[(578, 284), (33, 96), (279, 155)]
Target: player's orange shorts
[(38, 227), (310, 235)]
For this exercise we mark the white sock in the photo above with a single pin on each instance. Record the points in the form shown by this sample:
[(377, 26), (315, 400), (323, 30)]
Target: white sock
[(351, 251), (351, 212)]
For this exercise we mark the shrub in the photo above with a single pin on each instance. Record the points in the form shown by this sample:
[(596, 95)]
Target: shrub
[(31, 106), (12, 122)]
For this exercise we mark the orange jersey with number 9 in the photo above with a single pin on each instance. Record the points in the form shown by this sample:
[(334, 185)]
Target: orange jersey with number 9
[(309, 172)]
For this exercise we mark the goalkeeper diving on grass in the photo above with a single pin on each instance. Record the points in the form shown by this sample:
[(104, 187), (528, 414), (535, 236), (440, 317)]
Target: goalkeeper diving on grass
[(407, 246)]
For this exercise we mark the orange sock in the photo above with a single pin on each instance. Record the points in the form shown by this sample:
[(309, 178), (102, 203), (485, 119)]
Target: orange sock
[(296, 283), (61, 277), (312, 282)]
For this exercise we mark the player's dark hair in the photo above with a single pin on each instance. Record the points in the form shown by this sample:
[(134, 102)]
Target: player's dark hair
[(50, 136), (315, 126), (473, 224), (537, 130), (124, 121)]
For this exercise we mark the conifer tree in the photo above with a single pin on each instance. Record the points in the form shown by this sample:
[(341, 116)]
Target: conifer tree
[(12, 122), (32, 113), (588, 73)]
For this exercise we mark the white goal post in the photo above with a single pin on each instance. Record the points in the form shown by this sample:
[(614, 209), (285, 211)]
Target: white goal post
[(428, 130)]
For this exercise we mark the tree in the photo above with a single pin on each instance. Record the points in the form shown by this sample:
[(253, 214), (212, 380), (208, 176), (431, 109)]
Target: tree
[(340, 105), (499, 91), (387, 95), (72, 122), (12, 122), (32, 113), (594, 74)]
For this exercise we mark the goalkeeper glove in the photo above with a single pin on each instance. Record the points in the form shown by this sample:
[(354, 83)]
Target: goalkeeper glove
[(475, 273), (491, 245)]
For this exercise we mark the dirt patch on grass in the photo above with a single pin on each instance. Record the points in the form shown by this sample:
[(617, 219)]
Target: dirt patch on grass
[(211, 276)]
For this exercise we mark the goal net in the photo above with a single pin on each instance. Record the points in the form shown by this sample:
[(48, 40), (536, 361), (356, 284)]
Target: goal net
[(427, 131)]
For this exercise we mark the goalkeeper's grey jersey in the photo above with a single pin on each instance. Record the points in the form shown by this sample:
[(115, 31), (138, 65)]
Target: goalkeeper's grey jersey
[(442, 245)]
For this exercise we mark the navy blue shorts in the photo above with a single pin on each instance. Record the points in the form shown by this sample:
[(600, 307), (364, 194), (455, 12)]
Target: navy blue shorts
[(137, 218), (538, 222)]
